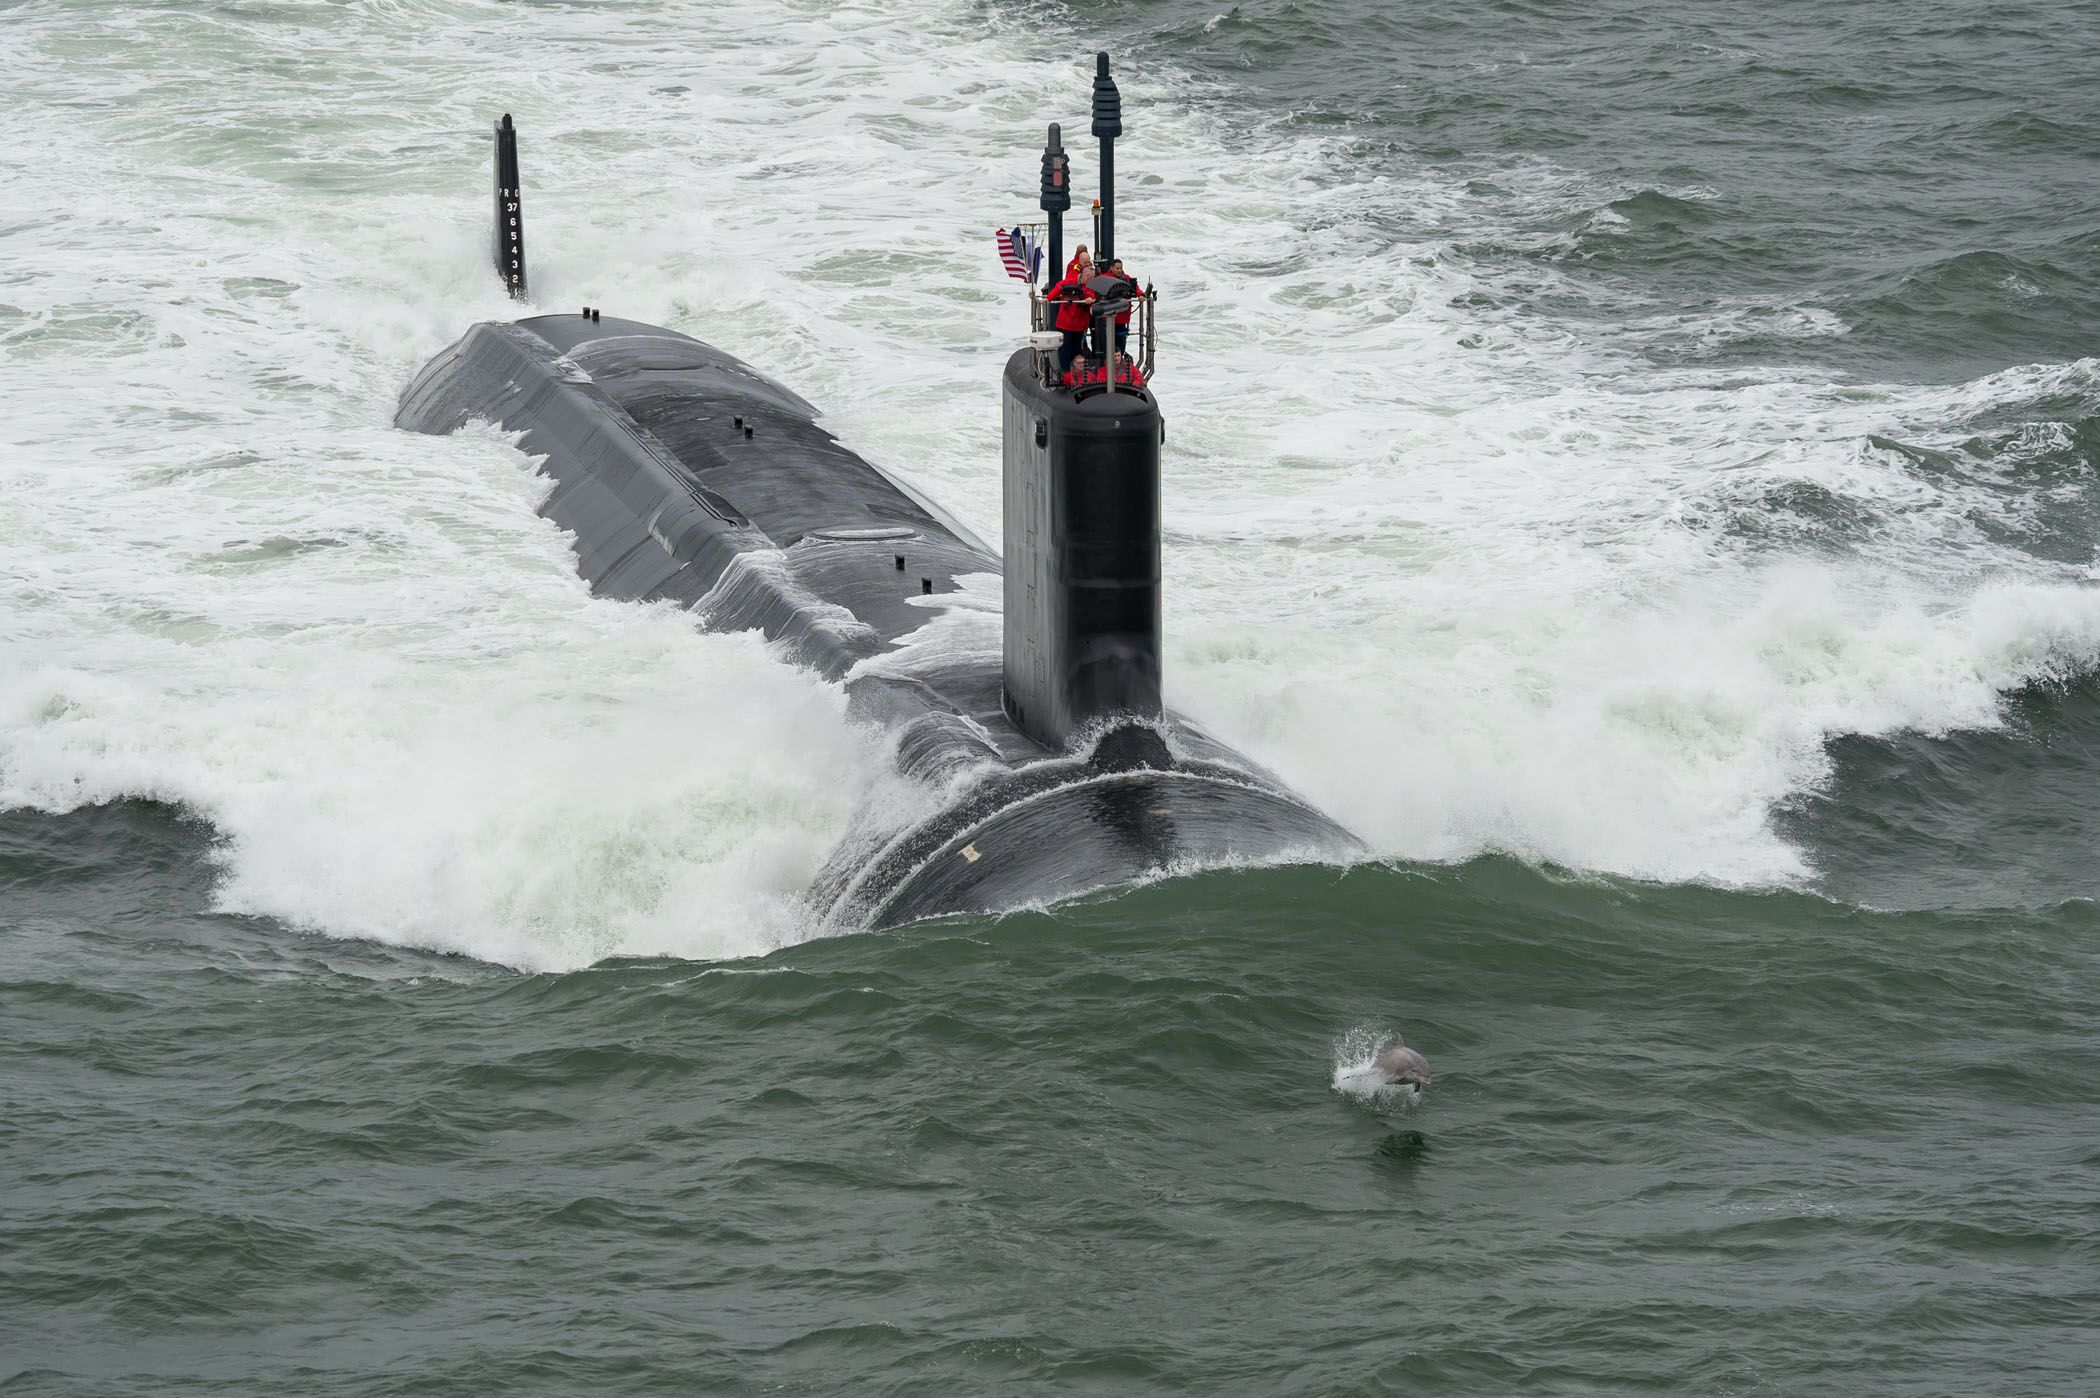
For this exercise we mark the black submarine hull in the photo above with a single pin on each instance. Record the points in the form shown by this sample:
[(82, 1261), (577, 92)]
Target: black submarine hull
[(686, 475)]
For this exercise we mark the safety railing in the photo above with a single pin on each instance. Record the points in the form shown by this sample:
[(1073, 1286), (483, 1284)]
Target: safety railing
[(1101, 362)]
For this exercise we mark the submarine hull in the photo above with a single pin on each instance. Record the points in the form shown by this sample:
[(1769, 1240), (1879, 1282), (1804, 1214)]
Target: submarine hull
[(683, 474)]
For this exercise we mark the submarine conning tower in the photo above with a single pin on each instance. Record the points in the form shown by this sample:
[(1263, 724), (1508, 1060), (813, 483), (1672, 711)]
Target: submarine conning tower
[(1081, 493)]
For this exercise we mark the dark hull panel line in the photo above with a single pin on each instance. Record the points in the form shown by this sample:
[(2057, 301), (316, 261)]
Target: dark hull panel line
[(685, 474)]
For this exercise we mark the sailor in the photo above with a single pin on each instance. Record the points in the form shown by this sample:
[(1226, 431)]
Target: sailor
[(1079, 257), (1115, 269), (1070, 296)]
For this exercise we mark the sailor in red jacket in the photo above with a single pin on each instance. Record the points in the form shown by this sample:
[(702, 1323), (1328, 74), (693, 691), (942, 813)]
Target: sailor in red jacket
[(1115, 269), (1070, 297)]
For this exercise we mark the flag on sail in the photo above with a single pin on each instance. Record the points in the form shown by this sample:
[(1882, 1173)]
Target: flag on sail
[(1010, 253)]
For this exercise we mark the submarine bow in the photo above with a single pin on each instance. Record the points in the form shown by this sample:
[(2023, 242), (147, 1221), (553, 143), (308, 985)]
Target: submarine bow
[(686, 475)]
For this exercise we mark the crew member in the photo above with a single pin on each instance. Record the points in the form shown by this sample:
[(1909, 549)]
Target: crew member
[(1070, 296), (1079, 257), (1129, 292)]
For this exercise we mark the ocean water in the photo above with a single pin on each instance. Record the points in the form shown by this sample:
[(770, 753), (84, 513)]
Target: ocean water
[(1636, 467)]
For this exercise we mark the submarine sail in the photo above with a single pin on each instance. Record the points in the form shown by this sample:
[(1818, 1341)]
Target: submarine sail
[(685, 474)]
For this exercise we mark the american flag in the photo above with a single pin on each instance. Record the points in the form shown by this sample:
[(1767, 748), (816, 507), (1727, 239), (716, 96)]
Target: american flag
[(1017, 252)]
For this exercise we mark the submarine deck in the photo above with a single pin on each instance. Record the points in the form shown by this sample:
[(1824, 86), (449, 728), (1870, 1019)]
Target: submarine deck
[(699, 403)]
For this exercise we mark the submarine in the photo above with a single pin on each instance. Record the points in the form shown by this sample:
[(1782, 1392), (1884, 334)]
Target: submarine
[(1047, 764)]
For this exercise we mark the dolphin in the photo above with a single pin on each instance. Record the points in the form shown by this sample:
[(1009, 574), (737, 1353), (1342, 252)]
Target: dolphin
[(1401, 1066)]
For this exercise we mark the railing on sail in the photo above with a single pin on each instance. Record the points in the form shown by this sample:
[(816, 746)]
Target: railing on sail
[(1138, 352)]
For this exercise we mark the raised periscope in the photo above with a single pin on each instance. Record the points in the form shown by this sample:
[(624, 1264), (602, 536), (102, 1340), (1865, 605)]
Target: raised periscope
[(685, 474)]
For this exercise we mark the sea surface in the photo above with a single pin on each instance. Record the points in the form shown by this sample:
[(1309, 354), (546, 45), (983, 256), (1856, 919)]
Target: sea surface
[(1637, 465)]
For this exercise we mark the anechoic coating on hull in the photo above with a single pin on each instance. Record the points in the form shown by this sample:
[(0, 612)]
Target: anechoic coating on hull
[(1080, 487), (684, 474)]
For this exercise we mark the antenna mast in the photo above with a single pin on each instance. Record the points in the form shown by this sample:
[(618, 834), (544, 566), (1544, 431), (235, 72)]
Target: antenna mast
[(509, 242)]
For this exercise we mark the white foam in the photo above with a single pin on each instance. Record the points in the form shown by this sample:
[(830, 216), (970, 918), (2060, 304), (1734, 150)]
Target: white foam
[(428, 732), (962, 627), (1473, 579)]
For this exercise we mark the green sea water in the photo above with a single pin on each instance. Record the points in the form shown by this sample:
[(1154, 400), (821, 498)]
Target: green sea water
[(386, 1009), (1680, 1141)]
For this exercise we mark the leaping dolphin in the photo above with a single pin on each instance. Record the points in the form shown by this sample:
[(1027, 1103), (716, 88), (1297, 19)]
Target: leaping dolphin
[(1401, 1066)]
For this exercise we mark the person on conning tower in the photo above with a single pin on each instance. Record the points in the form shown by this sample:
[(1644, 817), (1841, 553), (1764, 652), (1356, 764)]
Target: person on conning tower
[(1070, 297), (1109, 283), (1130, 292)]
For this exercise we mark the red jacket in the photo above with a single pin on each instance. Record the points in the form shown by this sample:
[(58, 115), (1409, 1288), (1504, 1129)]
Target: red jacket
[(1136, 290), (1071, 315)]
